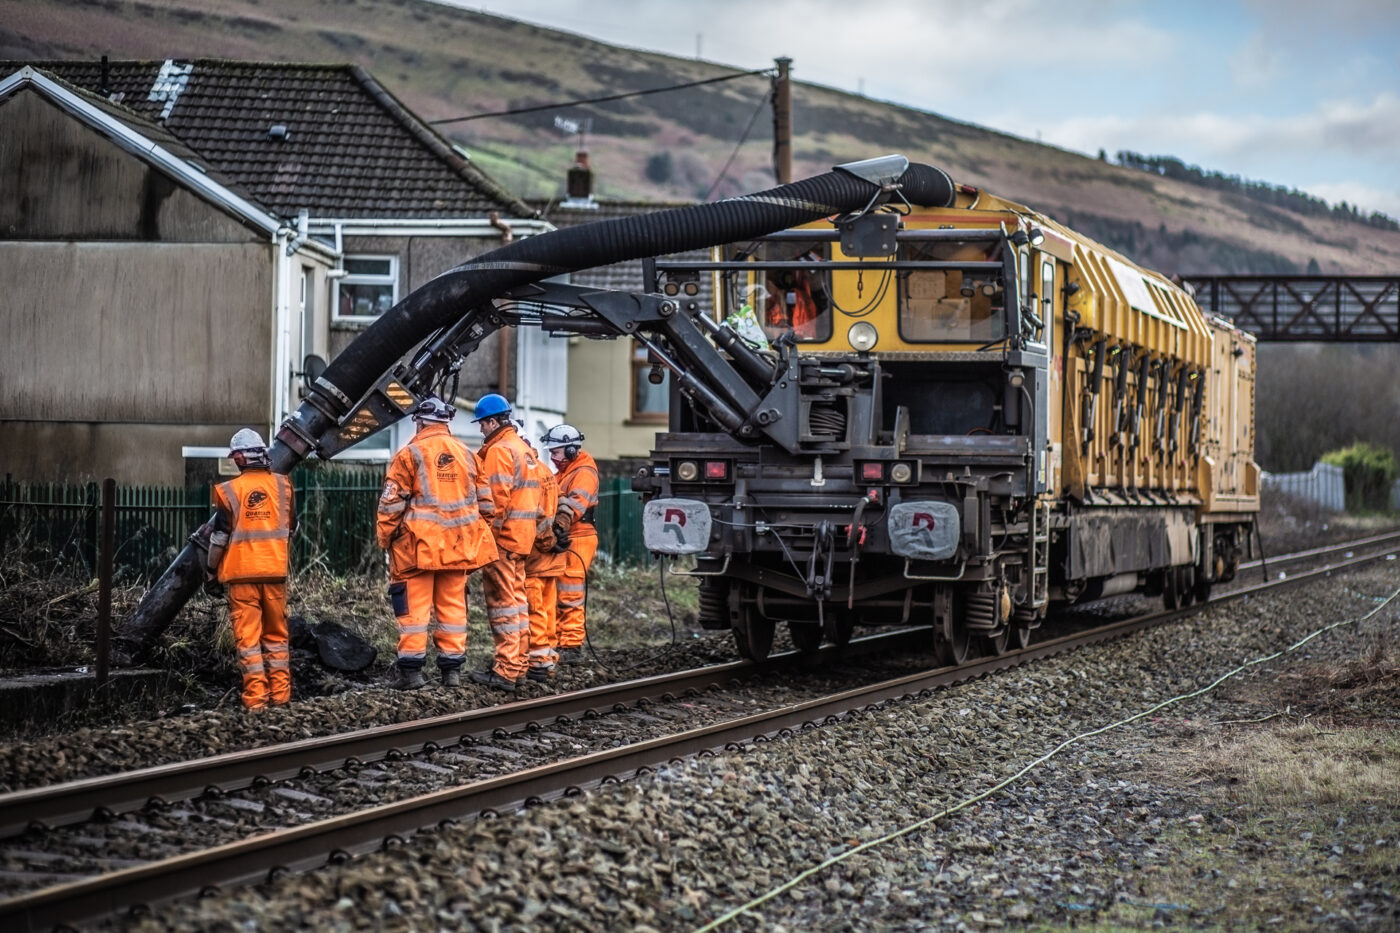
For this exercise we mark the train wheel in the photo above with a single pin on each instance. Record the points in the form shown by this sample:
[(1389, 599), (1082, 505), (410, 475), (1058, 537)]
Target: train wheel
[(952, 652), (753, 635), (1020, 637), (951, 639), (993, 645), (806, 636), (1201, 588)]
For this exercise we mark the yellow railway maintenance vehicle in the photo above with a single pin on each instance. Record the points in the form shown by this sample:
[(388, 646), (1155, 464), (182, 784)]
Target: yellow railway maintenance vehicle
[(992, 415), (913, 402)]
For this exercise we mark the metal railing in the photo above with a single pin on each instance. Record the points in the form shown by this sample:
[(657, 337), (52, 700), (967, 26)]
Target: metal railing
[(59, 524)]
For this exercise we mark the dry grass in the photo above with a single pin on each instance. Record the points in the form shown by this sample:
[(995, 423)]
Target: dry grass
[(1292, 818)]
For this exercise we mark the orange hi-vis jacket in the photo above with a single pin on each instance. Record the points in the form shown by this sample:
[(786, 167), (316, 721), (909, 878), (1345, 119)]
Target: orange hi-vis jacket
[(435, 505), (549, 501), (258, 506), (508, 463), (578, 492)]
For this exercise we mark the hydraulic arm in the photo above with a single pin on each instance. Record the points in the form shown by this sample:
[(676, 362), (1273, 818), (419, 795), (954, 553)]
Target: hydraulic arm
[(418, 345)]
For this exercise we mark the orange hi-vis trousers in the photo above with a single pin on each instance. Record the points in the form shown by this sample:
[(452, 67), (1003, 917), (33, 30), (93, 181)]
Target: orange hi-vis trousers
[(570, 625), (416, 599), (258, 612), (541, 593), (508, 614)]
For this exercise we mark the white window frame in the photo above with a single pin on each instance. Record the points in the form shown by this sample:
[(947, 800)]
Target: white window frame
[(390, 278)]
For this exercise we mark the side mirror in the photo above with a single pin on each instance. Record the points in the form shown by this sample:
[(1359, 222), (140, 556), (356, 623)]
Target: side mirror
[(312, 367)]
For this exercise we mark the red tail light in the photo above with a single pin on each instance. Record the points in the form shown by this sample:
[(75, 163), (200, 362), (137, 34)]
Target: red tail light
[(871, 472), (716, 469)]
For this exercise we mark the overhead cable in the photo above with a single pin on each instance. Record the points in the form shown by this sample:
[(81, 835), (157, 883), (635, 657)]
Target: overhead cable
[(599, 100)]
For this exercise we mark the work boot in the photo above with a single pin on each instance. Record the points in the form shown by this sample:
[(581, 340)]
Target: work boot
[(489, 678), (452, 677), (409, 679), (571, 655), (540, 675)]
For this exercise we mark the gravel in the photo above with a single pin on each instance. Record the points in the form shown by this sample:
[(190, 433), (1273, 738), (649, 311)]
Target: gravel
[(1146, 824)]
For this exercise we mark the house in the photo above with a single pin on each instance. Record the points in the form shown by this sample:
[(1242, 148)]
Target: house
[(614, 399), (184, 243)]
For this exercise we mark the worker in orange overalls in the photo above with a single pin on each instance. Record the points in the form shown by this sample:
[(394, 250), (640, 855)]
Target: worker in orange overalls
[(542, 569), (431, 522), (248, 554), (573, 525), (507, 462)]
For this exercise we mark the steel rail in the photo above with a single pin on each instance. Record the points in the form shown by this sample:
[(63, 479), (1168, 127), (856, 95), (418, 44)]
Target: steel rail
[(333, 840), (79, 800), (75, 801)]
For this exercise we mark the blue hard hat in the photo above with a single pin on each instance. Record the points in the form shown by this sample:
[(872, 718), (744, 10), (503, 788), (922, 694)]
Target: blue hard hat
[(490, 406)]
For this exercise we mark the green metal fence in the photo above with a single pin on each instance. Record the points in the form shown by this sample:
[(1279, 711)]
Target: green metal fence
[(335, 504), (619, 522)]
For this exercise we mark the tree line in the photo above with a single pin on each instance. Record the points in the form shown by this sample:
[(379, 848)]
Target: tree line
[(1277, 195)]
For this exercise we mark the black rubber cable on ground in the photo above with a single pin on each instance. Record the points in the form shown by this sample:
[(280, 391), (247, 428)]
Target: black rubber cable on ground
[(675, 641)]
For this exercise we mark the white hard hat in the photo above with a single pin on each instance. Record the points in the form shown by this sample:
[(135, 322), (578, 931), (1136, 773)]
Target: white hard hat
[(562, 435), (433, 409), (246, 439)]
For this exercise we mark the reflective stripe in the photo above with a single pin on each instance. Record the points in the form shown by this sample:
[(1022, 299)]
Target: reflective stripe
[(504, 628), (502, 612), (253, 667), (438, 518), (413, 655), (425, 498), (398, 505), (413, 629), (452, 628)]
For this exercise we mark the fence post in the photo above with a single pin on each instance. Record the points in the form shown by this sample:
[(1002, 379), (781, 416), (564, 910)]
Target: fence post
[(104, 576)]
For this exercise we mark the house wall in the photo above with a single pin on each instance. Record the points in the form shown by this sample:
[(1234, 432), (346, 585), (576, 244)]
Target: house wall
[(600, 398), (135, 317)]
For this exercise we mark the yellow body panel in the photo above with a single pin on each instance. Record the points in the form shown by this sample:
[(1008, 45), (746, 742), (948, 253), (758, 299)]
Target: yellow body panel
[(1133, 315)]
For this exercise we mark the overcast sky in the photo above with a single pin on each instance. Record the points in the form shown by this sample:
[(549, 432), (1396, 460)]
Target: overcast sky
[(1301, 93)]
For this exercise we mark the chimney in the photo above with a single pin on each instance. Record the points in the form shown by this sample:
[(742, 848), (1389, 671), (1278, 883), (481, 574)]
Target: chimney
[(580, 180)]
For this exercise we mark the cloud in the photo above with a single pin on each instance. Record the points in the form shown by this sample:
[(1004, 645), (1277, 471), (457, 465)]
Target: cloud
[(1258, 63), (1284, 149), (1366, 198)]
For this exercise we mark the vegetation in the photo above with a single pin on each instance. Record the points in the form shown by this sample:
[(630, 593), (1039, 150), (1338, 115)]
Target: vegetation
[(1311, 399), (1289, 198), (1369, 471), (446, 62)]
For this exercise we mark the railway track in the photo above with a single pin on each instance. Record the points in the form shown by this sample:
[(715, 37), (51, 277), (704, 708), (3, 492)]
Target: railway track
[(318, 841)]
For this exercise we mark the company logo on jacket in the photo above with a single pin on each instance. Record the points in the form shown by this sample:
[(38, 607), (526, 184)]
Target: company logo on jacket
[(446, 467), (253, 507)]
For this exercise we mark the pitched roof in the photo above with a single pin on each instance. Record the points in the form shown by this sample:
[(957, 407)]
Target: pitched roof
[(350, 149), (147, 141), (622, 276)]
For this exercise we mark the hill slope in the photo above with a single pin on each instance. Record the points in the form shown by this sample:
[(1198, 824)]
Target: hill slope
[(445, 62)]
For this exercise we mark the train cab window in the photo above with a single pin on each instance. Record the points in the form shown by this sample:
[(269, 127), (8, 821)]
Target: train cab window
[(1045, 301), (949, 306), (793, 300)]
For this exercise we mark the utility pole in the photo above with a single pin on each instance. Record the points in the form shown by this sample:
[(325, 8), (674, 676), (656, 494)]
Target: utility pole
[(782, 122)]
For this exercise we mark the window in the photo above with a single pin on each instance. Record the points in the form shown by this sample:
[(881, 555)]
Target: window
[(1045, 308), (369, 287), (949, 305), (796, 300), (651, 402)]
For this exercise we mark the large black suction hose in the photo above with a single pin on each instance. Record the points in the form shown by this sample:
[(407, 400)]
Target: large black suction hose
[(439, 302), (473, 284)]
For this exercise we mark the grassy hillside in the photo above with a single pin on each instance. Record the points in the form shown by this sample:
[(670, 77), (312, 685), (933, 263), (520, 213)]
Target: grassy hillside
[(444, 63)]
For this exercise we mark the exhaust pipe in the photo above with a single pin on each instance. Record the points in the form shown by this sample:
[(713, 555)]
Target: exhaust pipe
[(471, 286)]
